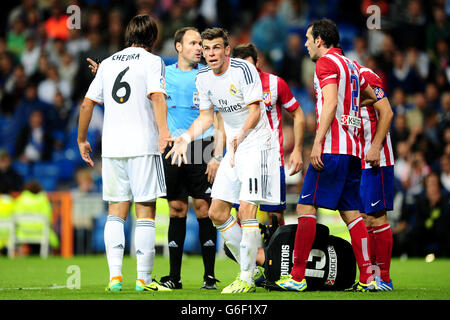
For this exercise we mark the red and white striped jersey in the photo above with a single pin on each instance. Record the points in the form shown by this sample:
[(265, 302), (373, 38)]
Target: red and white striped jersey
[(277, 96), (343, 135), (370, 118)]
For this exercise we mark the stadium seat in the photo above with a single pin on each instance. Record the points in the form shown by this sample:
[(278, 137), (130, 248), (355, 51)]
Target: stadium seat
[(23, 169), (47, 173)]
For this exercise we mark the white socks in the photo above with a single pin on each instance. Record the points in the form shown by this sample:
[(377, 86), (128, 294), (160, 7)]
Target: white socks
[(144, 241), (243, 243), (231, 233), (249, 248), (115, 245)]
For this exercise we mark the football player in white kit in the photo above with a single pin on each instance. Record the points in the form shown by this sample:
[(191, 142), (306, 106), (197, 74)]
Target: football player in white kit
[(130, 84), (249, 172)]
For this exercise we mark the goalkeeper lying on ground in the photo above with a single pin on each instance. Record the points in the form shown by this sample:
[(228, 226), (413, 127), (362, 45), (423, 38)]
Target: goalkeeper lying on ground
[(331, 263)]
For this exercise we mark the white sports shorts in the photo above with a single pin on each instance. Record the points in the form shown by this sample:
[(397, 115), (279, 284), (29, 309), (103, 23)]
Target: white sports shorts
[(255, 178), (137, 179)]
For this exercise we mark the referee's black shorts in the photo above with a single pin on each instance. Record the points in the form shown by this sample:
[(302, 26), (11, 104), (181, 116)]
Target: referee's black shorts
[(190, 179)]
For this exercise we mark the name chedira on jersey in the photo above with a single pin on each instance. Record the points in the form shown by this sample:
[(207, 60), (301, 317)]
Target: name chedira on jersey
[(125, 57)]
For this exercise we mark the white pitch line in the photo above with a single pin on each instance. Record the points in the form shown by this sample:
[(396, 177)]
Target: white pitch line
[(53, 287)]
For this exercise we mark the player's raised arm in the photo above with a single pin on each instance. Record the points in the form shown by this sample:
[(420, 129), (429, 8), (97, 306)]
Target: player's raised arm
[(86, 110), (385, 113), (330, 100)]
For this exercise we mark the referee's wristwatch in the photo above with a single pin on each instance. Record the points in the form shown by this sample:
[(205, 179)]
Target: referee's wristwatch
[(218, 157)]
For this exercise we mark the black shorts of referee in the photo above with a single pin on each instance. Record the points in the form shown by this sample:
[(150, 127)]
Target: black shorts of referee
[(190, 179)]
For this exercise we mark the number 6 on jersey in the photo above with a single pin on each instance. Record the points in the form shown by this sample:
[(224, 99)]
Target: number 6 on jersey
[(118, 84)]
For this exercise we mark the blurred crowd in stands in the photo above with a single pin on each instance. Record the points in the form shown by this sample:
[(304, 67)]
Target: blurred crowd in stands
[(44, 75)]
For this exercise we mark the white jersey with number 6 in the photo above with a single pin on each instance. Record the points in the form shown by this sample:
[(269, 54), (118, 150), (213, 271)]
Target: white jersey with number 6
[(122, 84)]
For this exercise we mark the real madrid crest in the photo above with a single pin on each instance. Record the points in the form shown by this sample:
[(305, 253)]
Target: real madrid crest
[(233, 89)]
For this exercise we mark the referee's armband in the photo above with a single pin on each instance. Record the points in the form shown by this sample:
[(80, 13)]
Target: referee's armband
[(379, 93)]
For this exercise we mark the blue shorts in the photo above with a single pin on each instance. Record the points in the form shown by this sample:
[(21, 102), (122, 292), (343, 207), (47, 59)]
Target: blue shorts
[(276, 207), (336, 186), (377, 189)]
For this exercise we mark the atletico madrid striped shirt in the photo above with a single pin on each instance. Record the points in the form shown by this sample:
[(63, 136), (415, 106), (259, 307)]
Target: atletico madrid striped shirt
[(370, 119), (277, 96), (343, 135)]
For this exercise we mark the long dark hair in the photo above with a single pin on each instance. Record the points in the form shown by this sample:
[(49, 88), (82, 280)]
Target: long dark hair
[(142, 31)]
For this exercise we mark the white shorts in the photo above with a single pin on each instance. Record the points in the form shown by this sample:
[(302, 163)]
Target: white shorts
[(255, 178), (137, 179)]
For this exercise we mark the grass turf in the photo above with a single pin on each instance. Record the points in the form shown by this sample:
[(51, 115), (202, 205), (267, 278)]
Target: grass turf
[(32, 278)]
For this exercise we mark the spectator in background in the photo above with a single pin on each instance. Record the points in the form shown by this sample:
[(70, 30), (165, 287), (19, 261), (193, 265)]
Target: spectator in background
[(34, 142), (445, 173), (68, 68), (269, 33), (53, 83), (77, 43), (398, 102), (56, 24), (416, 115), (403, 76), (432, 96), (40, 73), (6, 68), (445, 109), (294, 13), (418, 61), (30, 55), (359, 52), (10, 180), (430, 231), (16, 83), (415, 175), (57, 115), (55, 48), (291, 68), (97, 50), (115, 31), (402, 165), (29, 103), (15, 38), (400, 131), (440, 28)]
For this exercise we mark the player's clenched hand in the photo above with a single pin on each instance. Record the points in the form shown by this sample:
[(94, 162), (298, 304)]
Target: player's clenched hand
[(316, 154), (211, 170), (373, 156), (85, 148), (178, 151), (295, 162), (93, 65)]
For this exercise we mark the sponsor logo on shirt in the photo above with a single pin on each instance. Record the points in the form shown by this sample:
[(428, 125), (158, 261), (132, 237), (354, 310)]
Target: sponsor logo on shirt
[(350, 121), (162, 81)]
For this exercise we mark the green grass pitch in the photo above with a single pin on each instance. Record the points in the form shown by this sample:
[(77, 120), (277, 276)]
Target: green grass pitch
[(32, 278)]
